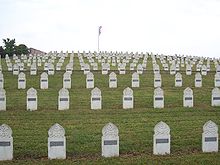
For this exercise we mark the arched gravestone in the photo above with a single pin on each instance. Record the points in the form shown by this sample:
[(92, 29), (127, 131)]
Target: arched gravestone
[(15, 69), (105, 68), (188, 69), (96, 99), (63, 99), (21, 81), (46, 66), (204, 70), (188, 97), (210, 137), (2, 100), (86, 68), (89, 80), (50, 69), (1, 80), (110, 141), (156, 69), (198, 80), (217, 80), (33, 69), (56, 142), (173, 69), (121, 68), (178, 80), (132, 66), (69, 68), (112, 80), (95, 66), (32, 99), (135, 82), (140, 69), (157, 80), (44, 81), (67, 80), (216, 97), (161, 145), (158, 98), (6, 143), (128, 99)]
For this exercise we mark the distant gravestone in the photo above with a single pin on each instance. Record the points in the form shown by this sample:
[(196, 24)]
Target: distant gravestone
[(51, 69), (1, 80), (135, 82), (210, 137), (204, 70), (112, 80), (188, 69), (2, 100), (33, 69), (63, 99), (96, 99), (105, 68), (110, 141), (15, 69), (157, 80), (178, 80), (21, 81), (69, 68), (217, 80), (158, 98), (173, 69), (188, 97), (128, 99), (161, 139), (86, 68), (6, 143), (140, 69), (122, 69), (198, 80), (32, 99), (56, 142), (216, 97), (89, 80), (67, 80), (44, 81)]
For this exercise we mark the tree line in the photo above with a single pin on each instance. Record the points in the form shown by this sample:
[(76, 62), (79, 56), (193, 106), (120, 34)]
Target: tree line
[(10, 48)]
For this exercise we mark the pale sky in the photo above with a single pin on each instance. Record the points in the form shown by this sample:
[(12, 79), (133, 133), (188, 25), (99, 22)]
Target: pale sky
[(189, 27)]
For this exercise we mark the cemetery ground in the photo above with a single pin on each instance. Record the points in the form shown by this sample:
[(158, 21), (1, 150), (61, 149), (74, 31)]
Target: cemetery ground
[(83, 126)]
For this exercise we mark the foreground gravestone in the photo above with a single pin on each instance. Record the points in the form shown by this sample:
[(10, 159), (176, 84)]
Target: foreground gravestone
[(6, 143), (161, 139), (1, 80), (56, 142), (21, 81), (112, 80), (188, 97), (128, 99), (178, 80), (96, 99), (198, 80), (210, 137), (2, 100), (135, 80), (63, 99), (67, 80), (158, 98), (89, 80), (216, 97), (44, 81), (32, 99), (110, 141)]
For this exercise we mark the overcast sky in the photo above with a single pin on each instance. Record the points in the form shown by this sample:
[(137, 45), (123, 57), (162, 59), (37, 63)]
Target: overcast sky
[(190, 27)]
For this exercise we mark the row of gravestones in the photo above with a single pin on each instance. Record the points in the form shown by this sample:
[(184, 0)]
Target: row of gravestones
[(96, 98), (135, 82), (110, 140)]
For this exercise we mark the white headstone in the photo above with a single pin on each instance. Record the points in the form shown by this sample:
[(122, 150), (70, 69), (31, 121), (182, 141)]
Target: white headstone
[(216, 97), (188, 97), (2, 100), (96, 99), (89, 80), (135, 82), (112, 80), (204, 70), (50, 69), (86, 68), (210, 137), (178, 80), (56, 142), (158, 98), (198, 80), (21, 81), (33, 69), (217, 80), (1, 80), (15, 69), (6, 143), (63, 99), (32, 99), (157, 80), (188, 69), (44, 81), (67, 80), (128, 99), (110, 141), (161, 139), (173, 69), (140, 69)]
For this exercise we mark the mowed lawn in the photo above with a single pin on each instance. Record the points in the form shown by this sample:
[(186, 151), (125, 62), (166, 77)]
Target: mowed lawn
[(83, 126)]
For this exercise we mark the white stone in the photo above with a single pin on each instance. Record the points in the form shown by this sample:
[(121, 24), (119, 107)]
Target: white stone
[(86, 68), (44, 81), (96, 99), (210, 137), (157, 80), (69, 68), (135, 82), (56, 142), (89, 80), (188, 97), (198, 80), (216, 97), (112, 80), (158, 98), (63, 99), (204, 70), (15, 69), (105, 68), (128, 99), (21, 81), (110, 141), (32, 99), (217, 80), (2, 100), (178, 80), (173, 69), (67, 80), (161, 145), (188, 69), (51, 69), (1, 80), (139, 69), (33, 69), (6, 143)]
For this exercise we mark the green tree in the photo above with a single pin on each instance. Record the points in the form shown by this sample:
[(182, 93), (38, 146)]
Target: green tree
[(21, 49), (9, 46)]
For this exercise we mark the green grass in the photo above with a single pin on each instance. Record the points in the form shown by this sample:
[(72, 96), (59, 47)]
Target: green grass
[(83, 126)]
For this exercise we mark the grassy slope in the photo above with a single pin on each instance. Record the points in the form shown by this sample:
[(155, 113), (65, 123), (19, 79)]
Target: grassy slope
[(83, 126)]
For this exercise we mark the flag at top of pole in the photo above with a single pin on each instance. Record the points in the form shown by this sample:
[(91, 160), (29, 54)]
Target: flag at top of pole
[(100, 28)]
